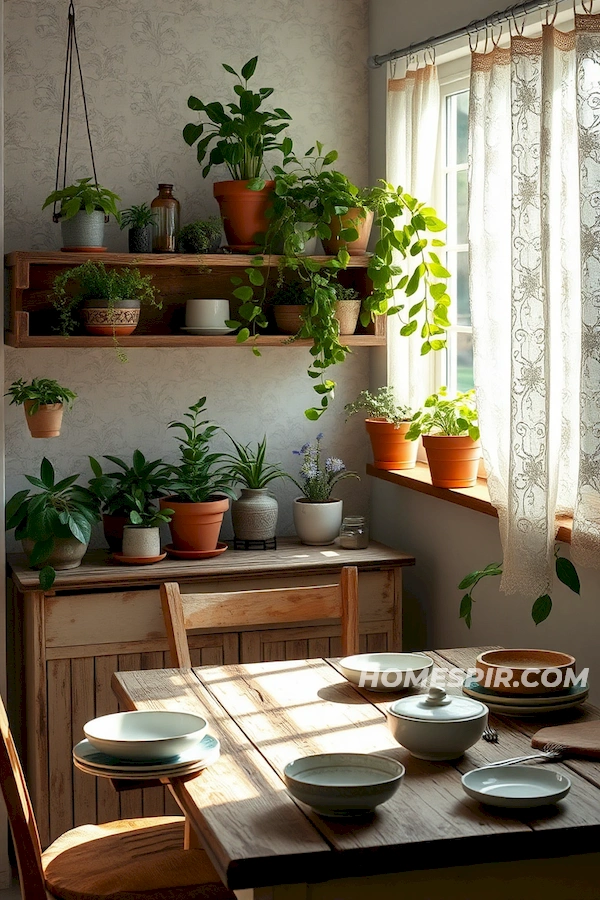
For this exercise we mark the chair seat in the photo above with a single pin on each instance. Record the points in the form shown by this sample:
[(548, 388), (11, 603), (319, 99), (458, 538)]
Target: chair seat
[(135, 859)]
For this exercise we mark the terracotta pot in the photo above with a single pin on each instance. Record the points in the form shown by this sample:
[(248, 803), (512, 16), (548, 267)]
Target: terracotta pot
[(113, 531), (347, 312), (288, 318), (390, 448), (453, 461), (67, 553), (195, 526), (46, 422), (363, 226), (317, 523), (103, 320), (254, 515), (243, 212)]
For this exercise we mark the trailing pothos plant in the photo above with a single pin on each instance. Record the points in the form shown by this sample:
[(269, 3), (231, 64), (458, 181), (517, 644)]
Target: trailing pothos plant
[(306, 199), (542, 607)]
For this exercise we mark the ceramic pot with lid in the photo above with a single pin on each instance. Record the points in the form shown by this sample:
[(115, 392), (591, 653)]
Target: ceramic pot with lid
[(435, 726)]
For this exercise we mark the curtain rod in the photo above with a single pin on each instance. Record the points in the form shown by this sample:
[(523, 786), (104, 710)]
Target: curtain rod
[(496, 18)]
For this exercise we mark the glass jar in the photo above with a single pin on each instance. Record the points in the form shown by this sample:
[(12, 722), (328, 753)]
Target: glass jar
[(354, 534), (166, 220)]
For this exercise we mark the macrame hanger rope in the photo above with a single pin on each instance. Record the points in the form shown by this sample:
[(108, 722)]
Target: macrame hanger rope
[(65, 116)]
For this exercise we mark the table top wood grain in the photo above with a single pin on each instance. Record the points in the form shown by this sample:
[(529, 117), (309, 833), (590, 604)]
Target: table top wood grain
[(267, 714)]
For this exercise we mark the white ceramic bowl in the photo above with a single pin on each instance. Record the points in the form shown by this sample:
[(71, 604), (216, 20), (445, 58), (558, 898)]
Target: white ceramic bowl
[(435, 726), (341, 784), (386, 671), (206, 312), (145, 734), (516, 787)]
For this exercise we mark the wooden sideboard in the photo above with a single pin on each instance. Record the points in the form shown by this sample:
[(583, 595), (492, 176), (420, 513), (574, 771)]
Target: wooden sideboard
[(65, 644)]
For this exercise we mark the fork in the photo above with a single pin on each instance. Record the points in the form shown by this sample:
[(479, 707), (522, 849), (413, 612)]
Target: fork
[(490, 734), (550, 751)]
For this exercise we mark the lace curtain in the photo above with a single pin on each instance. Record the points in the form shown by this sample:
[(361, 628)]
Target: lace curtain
[(534, 239), (413, 109)]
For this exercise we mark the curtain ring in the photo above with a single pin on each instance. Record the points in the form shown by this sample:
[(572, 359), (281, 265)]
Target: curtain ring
[(393, 63), (488, 30), (473, 47), (497, 41), (429, 56), (553, 15), (515, 23), (587, 11)]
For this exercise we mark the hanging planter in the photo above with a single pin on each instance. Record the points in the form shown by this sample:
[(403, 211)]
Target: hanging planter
[(43, 401)]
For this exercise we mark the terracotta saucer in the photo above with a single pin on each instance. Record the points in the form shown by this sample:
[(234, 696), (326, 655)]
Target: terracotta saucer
[(195, 554), (84, 249), (138, 560)]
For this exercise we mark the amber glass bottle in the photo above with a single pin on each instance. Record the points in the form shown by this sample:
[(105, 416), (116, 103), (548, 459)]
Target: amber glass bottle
[(166, 226)]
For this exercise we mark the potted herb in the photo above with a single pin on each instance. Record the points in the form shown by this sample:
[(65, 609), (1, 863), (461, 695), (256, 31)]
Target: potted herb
[(318, 516), (201, 489), (450, 434), (138, 220), (84, 208), (44, 400), (109, 300), (141, 536), (241, 133), (148, 478), (53, 525), (203, 236), (387, 424), (254, 514), (347, 307), (289, 304)]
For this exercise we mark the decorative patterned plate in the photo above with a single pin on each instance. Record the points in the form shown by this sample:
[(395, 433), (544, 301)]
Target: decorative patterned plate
[(195, 554)]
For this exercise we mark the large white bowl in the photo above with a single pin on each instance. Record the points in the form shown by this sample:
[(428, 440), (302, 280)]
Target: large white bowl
[(386, 671), (341, 784), (436, 726), (145, 734)]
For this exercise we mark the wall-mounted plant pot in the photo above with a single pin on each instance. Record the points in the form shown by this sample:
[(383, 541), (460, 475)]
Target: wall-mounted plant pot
[(67, 553), (243, 213), (391, 450), (317, 523), (46, 422), (140, 240), (103, 320), (254, 515), (83, 232), (195, 526), (288, 317), (347, 312), (113, 531), (363, 226), (139, 542), (453, 460)]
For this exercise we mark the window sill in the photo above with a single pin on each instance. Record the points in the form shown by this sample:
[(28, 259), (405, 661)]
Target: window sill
[(476, 497)]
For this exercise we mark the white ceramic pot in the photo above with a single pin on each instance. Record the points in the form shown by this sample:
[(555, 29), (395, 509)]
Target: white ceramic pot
[(141, 542), (317, 523), (436, 726), (206, 312)]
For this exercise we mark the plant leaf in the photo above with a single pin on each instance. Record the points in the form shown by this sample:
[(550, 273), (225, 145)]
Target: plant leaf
[(567, 573), (47, 576), (541, 609)]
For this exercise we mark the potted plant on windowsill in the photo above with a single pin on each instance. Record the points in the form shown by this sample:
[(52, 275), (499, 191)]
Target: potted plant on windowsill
[(44, 401), (201, 489), (141, 535), (84, 208), (450, 434), (138, 219), (241, 134), (54, 525), (387, 424)]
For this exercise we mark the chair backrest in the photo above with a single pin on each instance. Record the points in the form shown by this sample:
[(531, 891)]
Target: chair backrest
[(20, 816), (184, 612)]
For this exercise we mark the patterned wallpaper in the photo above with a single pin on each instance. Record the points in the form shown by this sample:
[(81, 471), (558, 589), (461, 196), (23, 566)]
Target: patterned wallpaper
[(141, 60)]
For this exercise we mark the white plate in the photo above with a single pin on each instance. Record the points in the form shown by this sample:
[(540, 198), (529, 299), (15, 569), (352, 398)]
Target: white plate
[(164, 772), (519, 787), (473, 689), (214, 331), (144, 735), (521, 712), (341, 784), (386, 671), (85, 753)]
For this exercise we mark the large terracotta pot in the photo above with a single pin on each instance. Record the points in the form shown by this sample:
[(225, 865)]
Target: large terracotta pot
[(453, 460), (195, 526), (288, 317), (363, 226), (243, 212), (390, 448), (46, 422), (317, 523)]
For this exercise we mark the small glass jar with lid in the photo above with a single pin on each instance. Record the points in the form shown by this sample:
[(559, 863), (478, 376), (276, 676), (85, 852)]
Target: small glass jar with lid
[(354, 534)]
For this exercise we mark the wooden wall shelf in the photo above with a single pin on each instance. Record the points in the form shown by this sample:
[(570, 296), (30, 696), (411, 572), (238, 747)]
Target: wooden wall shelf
[(178, 277)]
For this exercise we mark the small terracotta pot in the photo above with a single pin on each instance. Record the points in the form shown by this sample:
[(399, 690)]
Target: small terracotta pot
[(46, 422), (288, 318), (243, 212), (195, 526), (390, 448), (363, 226), (103, 320), (113, 531), (453, 460), (347, 312)]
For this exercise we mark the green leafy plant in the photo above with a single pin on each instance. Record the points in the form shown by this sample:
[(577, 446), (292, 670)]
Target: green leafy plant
[(202, 236), (446, 415), (86, 195), (249, 467), (241, 132), (197, 478), (143, 478), (542, 607), (289, 292), (143, 513), (318, 475), (344, 294), (61, 509), (380, 405), (138, 216), (93, 281), (42, 391)]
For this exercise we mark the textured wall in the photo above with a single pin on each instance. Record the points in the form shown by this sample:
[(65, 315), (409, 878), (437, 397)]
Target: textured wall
[(141, 61)]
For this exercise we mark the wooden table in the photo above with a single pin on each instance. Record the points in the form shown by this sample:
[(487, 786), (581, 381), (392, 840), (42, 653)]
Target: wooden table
[(429, 841)]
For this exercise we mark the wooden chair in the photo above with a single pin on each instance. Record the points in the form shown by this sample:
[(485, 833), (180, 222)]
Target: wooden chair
[(141, 858), (183, 612)]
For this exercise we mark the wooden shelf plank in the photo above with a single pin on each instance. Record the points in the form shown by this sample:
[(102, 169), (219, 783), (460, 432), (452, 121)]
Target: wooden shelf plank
[(176, 340), (238, 260)]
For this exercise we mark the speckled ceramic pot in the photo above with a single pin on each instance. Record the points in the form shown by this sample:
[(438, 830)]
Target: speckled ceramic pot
[(141, 542), (67, 553), (254, 515)]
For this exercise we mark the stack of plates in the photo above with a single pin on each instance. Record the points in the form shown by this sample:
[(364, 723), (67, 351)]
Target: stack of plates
[(197, 757), (520, 705)]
